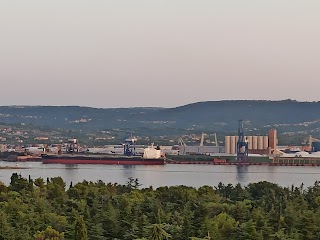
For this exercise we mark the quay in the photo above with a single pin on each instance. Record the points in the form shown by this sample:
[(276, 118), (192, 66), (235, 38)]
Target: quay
[(277, 161), (246, 163)]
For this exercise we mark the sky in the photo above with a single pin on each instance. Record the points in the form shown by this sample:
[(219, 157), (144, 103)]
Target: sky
[(157, 53)]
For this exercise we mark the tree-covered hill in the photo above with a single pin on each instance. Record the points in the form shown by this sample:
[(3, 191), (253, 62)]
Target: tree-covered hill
[(219, 116), (46, 209)]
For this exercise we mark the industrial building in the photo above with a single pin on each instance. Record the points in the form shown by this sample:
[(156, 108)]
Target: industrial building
[(186, 150), (256, 144)]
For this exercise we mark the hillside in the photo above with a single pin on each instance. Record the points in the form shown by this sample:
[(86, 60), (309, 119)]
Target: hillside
[(219, 116)]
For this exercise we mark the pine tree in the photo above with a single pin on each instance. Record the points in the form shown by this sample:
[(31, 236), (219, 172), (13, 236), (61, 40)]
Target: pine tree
[(49, 234), (80, 229), (158, 233)]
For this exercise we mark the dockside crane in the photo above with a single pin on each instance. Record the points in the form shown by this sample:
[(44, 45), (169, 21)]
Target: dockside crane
[(202, 139), (242, 144), (129, 146), (181, 142), (215, 139)]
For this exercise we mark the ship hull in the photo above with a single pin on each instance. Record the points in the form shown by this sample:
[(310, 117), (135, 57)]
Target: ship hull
[(102, 160)]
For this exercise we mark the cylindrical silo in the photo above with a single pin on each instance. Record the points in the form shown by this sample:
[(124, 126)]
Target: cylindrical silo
[(237, 139), (254, 142), (227, 140), (265, 142), (260, 142), (233, 145), (249, 142)]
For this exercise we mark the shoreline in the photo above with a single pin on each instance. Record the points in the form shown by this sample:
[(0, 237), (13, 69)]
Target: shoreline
[(13, 167)]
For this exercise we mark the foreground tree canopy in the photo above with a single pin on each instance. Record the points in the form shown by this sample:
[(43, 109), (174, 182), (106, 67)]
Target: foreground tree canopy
[(46, 210)]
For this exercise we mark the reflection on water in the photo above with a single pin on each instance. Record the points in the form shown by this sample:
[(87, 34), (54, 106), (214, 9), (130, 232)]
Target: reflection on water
[(129, 166), (167, 175), (242, 173), (128, 171), (70, 172), (71, 166)]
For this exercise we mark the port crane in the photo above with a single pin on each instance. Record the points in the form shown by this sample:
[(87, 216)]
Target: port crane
[(242, 144), (129, 146), (202, 139), (181, 142), (215, 139)]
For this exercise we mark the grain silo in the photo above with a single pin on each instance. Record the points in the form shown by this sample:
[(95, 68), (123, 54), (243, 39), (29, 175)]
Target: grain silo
[(233, 145), (265, 142), (254, 142), (260, 142), (249, 138), (227, 140)]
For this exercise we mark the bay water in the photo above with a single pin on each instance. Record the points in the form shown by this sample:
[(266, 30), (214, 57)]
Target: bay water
[(166, 175)]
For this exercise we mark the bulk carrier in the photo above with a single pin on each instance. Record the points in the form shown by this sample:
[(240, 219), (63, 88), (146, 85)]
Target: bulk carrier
[(151, 156)]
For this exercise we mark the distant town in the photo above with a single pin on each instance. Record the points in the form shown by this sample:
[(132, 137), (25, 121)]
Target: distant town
[(205, 128), (21, 137)]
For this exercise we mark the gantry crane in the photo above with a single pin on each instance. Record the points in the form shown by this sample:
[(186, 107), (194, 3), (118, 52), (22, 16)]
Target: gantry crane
[(242, 144)]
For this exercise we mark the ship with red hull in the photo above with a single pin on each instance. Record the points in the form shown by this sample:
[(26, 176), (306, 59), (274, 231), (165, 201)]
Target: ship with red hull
[(151, 156), (101, 159)]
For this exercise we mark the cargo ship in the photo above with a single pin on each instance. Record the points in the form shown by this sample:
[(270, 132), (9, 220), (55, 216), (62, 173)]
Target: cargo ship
[(102, 159), (151, 156)]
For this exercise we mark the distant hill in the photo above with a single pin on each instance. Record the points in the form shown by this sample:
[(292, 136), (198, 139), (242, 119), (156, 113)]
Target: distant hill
[(218, 116)]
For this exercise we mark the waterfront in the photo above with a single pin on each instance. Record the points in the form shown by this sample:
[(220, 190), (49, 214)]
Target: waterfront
[(167, 175)]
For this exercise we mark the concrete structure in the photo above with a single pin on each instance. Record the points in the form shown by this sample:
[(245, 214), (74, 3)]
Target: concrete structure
[(260, 142), (227, 144), (256, 144), (265, 142), (233, 145), (249, 139), (273, 141)]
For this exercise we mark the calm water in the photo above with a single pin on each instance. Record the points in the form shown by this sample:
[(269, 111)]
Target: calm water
[(167, 175)]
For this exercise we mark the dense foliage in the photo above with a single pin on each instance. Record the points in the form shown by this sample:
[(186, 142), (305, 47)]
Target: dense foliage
[(40, 210)]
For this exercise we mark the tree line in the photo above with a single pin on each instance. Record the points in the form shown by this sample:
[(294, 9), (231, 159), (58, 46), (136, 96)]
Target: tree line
[(45, 209)]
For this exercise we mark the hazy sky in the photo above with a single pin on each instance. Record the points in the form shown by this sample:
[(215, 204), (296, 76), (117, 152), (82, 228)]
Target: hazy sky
[(164, 53)]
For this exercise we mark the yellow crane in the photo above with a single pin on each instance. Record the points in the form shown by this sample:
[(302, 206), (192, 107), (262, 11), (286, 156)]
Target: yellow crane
[(202, 139)]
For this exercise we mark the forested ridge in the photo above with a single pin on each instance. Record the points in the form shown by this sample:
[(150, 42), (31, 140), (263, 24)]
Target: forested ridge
[(218, 116), (48, 209)]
